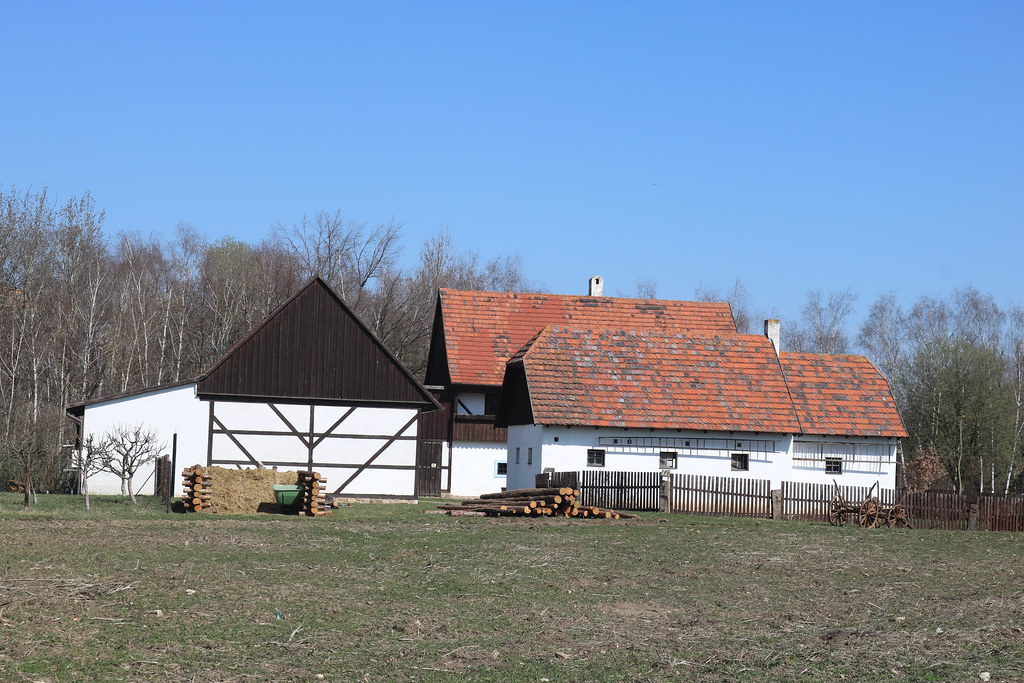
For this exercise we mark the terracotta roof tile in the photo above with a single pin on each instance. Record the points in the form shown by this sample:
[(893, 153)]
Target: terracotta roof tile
[(482, 330), (837, 394), (657, 380)]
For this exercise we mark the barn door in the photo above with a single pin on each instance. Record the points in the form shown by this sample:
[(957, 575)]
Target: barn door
[(428, 468)]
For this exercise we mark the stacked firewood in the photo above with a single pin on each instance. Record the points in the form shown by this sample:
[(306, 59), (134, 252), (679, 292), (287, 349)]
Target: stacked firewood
[(549, 502), (196, 489), (314, 494)]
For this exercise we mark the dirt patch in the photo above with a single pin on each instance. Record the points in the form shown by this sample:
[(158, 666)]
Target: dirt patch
[(242, 492)]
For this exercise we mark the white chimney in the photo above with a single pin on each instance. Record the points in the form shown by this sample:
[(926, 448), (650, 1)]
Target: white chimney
[(596, 286), (773, 330)]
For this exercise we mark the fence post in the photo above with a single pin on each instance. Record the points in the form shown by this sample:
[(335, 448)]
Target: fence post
[(972, 517), (776, 503), (665, 503)]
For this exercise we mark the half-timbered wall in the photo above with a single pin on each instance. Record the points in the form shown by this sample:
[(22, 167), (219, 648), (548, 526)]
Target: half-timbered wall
[(362, 450)]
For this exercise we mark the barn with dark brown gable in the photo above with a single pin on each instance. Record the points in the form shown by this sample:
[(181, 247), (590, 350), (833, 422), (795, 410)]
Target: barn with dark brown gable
[(310, 387)]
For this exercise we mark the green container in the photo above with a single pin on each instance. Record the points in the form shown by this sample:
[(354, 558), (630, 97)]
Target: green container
[(287, 494)]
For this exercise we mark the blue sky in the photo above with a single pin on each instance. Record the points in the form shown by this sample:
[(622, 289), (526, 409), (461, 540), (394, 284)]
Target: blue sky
[(793, 145)]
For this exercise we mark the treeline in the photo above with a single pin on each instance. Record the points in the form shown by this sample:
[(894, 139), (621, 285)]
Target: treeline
[(84, 314)]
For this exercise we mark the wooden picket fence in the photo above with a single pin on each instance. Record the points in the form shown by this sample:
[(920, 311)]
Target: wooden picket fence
[(695, 494), (616, 490), (740, 497), (1000, 513)]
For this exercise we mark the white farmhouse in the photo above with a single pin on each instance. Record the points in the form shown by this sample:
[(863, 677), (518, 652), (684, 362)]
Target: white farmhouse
[(309, 388), (712, 404)]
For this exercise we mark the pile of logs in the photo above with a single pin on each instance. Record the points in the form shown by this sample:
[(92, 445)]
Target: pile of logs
[(314, 495), (550, 502), (196, 491)]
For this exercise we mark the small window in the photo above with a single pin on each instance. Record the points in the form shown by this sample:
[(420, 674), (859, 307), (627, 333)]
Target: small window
[(556, 439), (740, 461), (529, 456), (501, 469), (517, 456), (833, 465), (667, 460), (595, 457)]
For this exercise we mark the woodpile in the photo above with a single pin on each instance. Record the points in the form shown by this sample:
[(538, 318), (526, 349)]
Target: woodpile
[(547, 502), (314, 495), (196, 489)]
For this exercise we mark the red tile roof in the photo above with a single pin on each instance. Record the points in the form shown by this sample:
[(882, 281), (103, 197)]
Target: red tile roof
[(836, 394), (483, 329), (657, 380)]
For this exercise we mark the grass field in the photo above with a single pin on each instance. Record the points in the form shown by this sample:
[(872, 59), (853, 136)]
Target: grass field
[(382, 593)]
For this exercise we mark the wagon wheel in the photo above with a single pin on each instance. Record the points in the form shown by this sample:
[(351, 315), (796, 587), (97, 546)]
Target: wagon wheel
[(836, 513), (869, 513), (898, 517)]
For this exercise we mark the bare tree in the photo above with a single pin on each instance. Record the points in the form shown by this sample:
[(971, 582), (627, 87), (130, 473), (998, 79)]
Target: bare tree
[(739, 301), (128, 448), (821, 328), (646, 288), (883, 336), (89, 460), (347, 254)]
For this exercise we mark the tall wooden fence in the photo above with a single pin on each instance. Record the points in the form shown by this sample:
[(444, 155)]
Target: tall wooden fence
[(696, 494)]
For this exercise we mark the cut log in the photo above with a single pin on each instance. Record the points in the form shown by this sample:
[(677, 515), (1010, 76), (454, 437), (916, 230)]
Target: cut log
[(528, 493)]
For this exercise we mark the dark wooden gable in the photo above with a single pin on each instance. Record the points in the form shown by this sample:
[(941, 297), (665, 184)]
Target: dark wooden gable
[(437, 358), (313, 347)]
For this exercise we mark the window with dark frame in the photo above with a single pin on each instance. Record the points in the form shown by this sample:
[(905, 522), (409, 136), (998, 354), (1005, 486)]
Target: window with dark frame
[(667, 460), (517, 455), (529, 456), (501, 469), (833, 465), (740, 461), (595, 457)]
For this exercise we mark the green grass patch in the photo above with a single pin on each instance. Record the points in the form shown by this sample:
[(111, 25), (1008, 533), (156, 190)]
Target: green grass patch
[(384, 592)]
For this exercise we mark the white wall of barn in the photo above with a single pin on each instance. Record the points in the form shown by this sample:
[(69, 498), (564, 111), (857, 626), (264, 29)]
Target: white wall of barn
[(339, 457), (174, 410), (769, 456), (474, 468)]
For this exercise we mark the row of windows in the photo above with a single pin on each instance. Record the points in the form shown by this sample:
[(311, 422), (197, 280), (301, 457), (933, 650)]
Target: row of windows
[(529, 456), (668, 460)]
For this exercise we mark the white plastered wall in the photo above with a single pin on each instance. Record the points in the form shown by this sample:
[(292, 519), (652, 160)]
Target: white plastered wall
[(775, 463), (474, 468), (174, 410)]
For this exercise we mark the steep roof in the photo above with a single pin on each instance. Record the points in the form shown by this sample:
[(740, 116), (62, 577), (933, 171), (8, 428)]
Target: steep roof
[(653, 380), (475, 333), (837, 394), (313, 347), (662, 380)]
